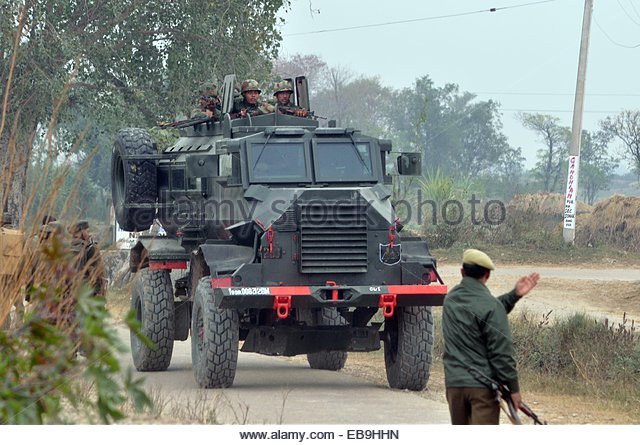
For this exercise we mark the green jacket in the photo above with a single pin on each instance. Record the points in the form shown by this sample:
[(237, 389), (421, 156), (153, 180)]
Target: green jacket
[(476, 333)]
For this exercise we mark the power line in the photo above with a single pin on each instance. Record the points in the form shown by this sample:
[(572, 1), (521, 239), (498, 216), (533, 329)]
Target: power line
[(613, 41), (398, 22), (557, 111), (509, 93), (634, 9), (627, 14)]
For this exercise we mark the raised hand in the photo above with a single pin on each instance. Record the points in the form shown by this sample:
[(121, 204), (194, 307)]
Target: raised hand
[(526, 283)]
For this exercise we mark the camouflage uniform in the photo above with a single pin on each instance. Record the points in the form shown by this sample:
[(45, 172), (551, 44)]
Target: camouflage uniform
[(207, 100), (287, 108), (51, 278), (251, 109), (87, 259)]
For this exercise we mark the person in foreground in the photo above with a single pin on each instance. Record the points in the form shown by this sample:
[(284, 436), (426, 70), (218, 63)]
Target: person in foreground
[(476, 334)]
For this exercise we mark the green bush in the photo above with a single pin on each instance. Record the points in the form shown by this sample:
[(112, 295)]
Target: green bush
[(578, 347), (42, 377)]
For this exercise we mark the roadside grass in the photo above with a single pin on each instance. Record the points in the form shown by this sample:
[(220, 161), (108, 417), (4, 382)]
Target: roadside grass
[(573, 370), (118, 300)]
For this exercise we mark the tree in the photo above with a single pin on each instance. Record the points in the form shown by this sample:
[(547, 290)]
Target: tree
[(336, 80), (483, 144), (505, 178), (455, 133), (596, 165), (120, 63), (361, 103), (626, 127), (309, 65), (552, 157)]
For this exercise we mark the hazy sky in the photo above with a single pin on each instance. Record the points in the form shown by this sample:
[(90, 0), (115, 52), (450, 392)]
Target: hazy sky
[(524, 56)]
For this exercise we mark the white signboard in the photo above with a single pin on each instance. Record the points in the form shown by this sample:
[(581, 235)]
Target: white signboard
[(125, 240), (122, 239), (571, 198)]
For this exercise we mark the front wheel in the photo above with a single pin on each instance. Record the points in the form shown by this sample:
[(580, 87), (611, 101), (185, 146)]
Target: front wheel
[(214, 340), (152, 302), (408, 346)]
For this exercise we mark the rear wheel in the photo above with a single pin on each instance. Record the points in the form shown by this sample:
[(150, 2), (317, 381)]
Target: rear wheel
[(214, 340), (329, 360), (408, 346), (133, 181), (152, 302)]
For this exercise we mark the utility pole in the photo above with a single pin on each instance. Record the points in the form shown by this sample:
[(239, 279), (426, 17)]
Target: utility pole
[(571, 197)]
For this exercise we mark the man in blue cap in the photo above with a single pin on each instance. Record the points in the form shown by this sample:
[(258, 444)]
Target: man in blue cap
[(476, 334)]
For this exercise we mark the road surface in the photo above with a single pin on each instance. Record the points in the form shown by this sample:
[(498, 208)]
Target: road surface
[(277, 390)]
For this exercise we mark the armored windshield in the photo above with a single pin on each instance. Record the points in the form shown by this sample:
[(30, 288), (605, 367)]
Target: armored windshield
[(343, 161), (275, 162)]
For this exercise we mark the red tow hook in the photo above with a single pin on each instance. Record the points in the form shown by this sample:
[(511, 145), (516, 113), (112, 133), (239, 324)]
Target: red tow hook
[(392, 233), (334, 292), (282, 305), (388, 304), (270, 238)]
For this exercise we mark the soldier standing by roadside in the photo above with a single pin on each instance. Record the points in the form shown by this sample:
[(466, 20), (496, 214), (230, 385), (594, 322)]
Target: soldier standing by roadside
[(88, 258), (476, 334)]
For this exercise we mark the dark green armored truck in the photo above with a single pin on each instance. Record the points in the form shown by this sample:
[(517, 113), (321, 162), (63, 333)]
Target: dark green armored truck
[(281, 237)]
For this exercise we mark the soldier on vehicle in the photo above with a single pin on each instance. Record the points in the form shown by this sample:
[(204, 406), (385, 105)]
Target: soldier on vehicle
[(476, 334), (88, 258), (282, 91), (208, 101), (249, 104)]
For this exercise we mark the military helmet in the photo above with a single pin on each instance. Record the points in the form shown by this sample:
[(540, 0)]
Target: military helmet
[(79, 226), (52, 227), (282, 87), (207, 89), (250, 85)]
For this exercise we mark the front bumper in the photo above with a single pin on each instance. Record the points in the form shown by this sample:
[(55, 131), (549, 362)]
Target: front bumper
[(284, 298)]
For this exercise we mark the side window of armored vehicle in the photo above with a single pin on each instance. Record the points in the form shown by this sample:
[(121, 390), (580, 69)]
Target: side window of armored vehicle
[(343, 161), (177, 179), (163, 178)]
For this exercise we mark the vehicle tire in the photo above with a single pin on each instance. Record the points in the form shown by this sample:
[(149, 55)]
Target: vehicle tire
[(152, 302), (408, 346), (329, 360), (214, 339), (133, 182)]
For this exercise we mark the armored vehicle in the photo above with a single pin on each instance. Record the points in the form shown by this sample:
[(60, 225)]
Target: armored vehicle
[(280, 235)]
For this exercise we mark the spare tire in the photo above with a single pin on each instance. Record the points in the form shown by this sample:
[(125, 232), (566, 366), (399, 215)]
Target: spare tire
[(134, 182)]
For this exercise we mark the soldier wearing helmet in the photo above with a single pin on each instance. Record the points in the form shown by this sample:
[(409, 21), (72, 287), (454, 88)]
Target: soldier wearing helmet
[(207, 102), (87, 257), (282, 91), (249, 104)]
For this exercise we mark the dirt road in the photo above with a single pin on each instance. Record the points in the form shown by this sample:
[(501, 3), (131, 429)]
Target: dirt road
[(278, 390), (611, 293)]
